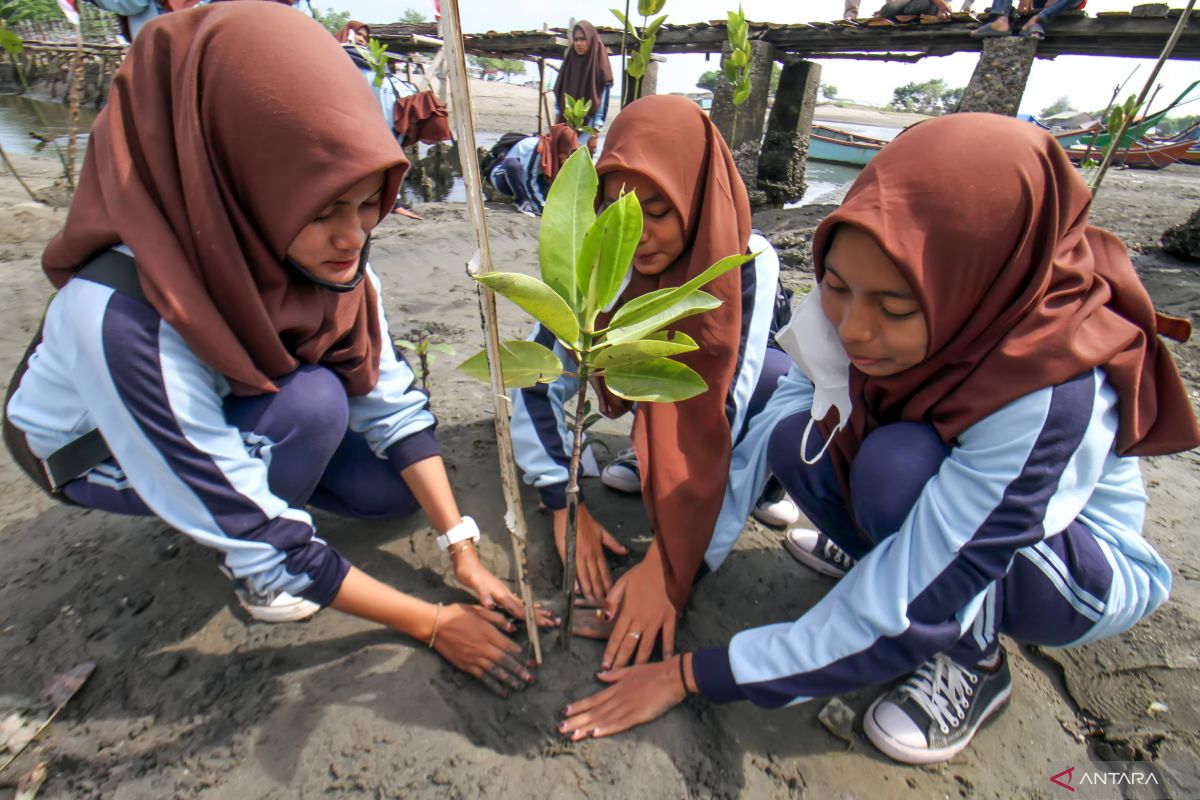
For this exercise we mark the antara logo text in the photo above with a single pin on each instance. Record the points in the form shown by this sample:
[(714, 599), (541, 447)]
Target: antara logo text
[(1066, 779)]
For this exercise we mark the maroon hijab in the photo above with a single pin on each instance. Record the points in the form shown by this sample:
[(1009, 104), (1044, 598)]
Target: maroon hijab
[(217, 146), (684, 448), (987, 220), (584, 75), (556, 146)]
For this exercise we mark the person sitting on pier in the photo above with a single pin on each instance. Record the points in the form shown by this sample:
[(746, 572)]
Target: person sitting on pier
[(585, 74), (530, 166), (689, 462), (217, 354), (909, 10), (999, 15), (995, 386)]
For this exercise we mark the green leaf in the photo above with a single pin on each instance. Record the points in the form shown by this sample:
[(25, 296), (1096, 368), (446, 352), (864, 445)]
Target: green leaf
[(646, 50), (652, 29), (405, 344), (738, 58), (442, 348), (653, 303), (656, 6), (607, 253), (524, 364), (644, 7), (10, 42), (742, 94), (542, 302), (628, 25), (636, 67), (568, 212), (658, 380), (689, 305), (591, 420), (658, 345)]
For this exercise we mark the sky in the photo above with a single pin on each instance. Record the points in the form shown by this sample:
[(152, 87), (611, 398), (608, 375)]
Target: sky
[(1088, 81)]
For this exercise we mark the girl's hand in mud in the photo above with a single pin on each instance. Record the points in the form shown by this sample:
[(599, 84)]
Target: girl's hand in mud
[(640, 609), (592, 578), (638, 695), (470, 637), (492, 591)]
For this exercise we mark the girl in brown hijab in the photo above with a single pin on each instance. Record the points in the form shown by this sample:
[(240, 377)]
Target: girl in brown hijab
[(667, 151), (217, 353), (585, 74), (995, 370)]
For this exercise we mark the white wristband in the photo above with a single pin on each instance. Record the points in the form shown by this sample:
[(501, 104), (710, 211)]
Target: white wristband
[(467, 529)]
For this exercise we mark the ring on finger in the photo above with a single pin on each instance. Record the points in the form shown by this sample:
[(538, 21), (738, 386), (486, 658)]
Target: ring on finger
[(636, 636)]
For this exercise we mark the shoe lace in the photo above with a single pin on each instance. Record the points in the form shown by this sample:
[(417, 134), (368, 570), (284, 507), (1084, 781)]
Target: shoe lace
[(943, 690), (837, 555), (626, 456)]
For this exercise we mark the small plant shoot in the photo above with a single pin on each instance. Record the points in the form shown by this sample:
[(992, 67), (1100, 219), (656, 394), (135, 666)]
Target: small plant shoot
[(737, 65), (584, 259), (639, 60), (575, 112)]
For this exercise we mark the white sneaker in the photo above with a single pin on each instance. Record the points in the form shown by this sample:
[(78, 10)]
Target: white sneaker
[(622, 473), (818, 552), (274, 606), (776, 513)]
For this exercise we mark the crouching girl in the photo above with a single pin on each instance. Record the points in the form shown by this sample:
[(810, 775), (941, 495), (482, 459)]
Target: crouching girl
[(996, 369)]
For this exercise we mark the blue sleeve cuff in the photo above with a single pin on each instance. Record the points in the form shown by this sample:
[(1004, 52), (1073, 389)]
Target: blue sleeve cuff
[(421, 445), (327, 578), (714, 675), (554, 496)]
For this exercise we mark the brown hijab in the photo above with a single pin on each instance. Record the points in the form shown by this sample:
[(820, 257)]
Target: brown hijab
[(584, 75), (556, 146), (217, 146), (684, 448), (359, 28), (1018, 290)]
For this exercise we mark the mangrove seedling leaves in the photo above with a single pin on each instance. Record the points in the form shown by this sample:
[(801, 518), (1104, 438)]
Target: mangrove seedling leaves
[(653, 303), (524, 364), (625, 21), (648, 7), (652, 29), (657, 380), (542, 302), (565, 219), (607, 253), (689, 305), (658, 345), (742, 94)]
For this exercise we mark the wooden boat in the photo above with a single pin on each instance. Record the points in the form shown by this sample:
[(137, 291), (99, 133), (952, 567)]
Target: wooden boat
[(837, 146), (1138, 155)]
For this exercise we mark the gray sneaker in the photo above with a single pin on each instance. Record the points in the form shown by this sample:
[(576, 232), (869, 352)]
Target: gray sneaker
[(270, 606), (933, 715)]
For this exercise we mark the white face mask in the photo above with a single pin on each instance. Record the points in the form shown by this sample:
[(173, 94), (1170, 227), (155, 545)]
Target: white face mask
[(812, 342)]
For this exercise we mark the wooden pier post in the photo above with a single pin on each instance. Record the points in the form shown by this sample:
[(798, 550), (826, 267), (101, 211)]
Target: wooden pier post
[(785, 147)]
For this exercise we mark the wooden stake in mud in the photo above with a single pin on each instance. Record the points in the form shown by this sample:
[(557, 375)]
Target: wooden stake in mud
[(541, 62), (76, 88), (464, 135)]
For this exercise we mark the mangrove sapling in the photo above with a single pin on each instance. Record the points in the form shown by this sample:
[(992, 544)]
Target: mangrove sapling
[(584, 259), (737, 65), (575, 111), (639, 60), (424, 348)]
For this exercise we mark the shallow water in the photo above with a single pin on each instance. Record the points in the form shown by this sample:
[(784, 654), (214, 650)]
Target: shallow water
[(20, 116)]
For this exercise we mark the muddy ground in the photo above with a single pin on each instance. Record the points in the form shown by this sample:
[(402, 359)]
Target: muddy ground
[(192, 700)]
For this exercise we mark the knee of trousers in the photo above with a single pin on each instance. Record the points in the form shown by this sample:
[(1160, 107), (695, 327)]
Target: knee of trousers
[(890, 471), (315, 404)]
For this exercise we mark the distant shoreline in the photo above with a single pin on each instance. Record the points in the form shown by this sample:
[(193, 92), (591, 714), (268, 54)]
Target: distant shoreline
[(864, 115)]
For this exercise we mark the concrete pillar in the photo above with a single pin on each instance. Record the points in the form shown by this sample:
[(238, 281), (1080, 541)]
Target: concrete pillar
[(999, 78), (785, 147), (742, 126)]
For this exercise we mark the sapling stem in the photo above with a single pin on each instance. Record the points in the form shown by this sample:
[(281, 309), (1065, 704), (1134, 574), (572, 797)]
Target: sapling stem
[(573, 509)]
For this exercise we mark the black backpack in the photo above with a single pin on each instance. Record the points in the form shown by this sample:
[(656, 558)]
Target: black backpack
[(499, 150)]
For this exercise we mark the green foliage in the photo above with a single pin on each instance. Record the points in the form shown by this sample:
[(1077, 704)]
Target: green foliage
[(708, 80), (423, 349), (737, 65), (376, 56), (505, 66), (575, 112), (1170, 126), (10, 42), (829, 91), (412, 17), (639, 59), (14, 11), (332, 20), (585, 259), (926, 97), (1060, 105)]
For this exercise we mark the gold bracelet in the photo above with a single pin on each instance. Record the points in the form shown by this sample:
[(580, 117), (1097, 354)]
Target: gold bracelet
[(436, 616), (462, 546)]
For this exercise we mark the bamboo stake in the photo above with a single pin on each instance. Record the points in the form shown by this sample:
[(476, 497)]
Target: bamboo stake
[(1166, 53), (541, 62), (17, 175), (76, 88), (464, 134)]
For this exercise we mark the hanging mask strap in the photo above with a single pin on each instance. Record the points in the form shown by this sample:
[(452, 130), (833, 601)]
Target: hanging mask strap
[(804, 441)]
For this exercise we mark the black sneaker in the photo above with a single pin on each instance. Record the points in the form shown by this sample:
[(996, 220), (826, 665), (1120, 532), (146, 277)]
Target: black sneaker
[(622, 473), (933, 715), (818, 552)]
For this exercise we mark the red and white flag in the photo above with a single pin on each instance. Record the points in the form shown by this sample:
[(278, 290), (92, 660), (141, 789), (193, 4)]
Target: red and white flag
[(71, 10), (436, 5)]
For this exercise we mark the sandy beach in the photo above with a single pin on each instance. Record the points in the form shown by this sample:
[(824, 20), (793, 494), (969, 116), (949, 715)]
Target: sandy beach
[(192, 700)]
